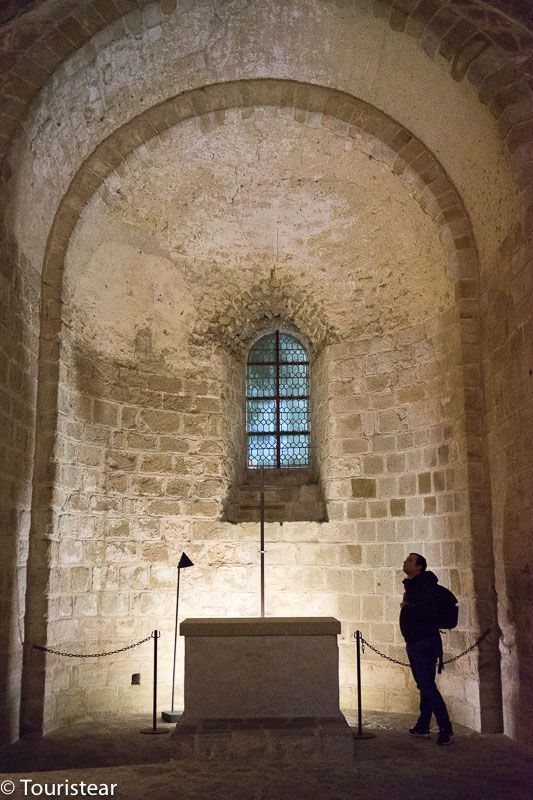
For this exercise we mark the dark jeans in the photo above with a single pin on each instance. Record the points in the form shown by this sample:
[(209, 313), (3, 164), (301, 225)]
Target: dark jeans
[(423, 656)]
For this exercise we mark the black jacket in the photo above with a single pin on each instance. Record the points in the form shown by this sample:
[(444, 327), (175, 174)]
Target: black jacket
[(419, 612)]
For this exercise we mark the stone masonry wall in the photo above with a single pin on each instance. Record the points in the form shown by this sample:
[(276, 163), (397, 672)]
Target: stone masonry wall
[(318, 388), (143, 470), (131, 347), (508, 375), (54, 143), (398, 469), (19, 298), (233, 435), (140, 461)]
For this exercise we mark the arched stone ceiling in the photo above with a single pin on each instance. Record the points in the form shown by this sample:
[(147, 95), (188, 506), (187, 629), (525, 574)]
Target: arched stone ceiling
[(194, 222), (376, 136), (94, 93), (381, 139), (489, 40)]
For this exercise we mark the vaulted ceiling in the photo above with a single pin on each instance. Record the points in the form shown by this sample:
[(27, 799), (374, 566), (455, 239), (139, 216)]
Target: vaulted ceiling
[(37, 35)]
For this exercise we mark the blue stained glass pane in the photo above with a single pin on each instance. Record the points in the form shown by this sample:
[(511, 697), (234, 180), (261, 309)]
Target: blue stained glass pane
[(264, 349), (261, 451), (293, 380), (293, 415), (277, 408), (261, 381), (261, 416), (290, 349), (294, 450)]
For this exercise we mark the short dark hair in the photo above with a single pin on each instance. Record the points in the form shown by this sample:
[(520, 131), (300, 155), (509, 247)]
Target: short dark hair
[(420, 561)]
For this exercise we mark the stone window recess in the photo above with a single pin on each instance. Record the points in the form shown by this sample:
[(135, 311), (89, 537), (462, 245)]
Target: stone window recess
[(278, 434)]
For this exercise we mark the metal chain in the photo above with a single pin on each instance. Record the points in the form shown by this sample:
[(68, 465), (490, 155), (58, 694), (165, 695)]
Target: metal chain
[(92, 655), (468, 649), (404, 664), (388, 658)]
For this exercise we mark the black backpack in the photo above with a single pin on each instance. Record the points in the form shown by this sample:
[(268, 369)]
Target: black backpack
[(447, 610)]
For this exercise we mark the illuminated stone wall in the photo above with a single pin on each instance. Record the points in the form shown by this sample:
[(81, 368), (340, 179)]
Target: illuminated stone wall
[(177, 180), (151, 401)]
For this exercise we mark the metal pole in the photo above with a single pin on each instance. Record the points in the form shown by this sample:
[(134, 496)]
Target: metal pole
[(359, 709), (360, 734), (154, 719), (172, 715), (175, 640), (278, 427), (262, 542), (154, 728)]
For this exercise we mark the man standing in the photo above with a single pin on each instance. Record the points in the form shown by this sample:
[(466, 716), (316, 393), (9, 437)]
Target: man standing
[(424, 646)]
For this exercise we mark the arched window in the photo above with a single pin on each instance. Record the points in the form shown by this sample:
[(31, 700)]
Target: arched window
[(277, 402)]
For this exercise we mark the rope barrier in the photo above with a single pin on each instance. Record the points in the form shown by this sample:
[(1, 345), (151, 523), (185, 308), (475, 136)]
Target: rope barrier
[(92, 655)]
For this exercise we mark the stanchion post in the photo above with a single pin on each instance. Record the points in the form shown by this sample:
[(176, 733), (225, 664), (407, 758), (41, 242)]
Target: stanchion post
[(359, 709), (360, 734), (154, 728)]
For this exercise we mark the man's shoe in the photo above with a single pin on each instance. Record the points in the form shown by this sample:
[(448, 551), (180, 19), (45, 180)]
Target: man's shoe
[(444, 738), (420, 733)]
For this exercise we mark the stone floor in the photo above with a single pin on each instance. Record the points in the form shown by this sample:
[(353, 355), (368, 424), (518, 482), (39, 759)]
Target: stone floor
[(392, 766), (281, 739)]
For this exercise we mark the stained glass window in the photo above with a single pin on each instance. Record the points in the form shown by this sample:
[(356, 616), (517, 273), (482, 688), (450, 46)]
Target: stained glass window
[(277, 402)]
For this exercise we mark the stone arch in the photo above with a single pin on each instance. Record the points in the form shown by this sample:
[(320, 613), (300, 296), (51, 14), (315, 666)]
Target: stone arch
[(489, 43), (424, 177), (427, 183), (241, 316)]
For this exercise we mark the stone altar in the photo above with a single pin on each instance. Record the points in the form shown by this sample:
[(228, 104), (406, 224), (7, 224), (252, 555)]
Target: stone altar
[(267, 686)]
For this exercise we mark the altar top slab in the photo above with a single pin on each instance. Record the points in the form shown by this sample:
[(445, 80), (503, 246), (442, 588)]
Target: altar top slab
[(260, 626)]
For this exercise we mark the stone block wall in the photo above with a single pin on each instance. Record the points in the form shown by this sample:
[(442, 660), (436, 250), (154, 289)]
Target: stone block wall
[(508, 376), (55, 144), (290, 495), (233, 435), (19, 298), (145, 460), (140, 457), (397, 468), (319, 382)]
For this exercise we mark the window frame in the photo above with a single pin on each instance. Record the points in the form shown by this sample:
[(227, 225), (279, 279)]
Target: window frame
[(278, 397)]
